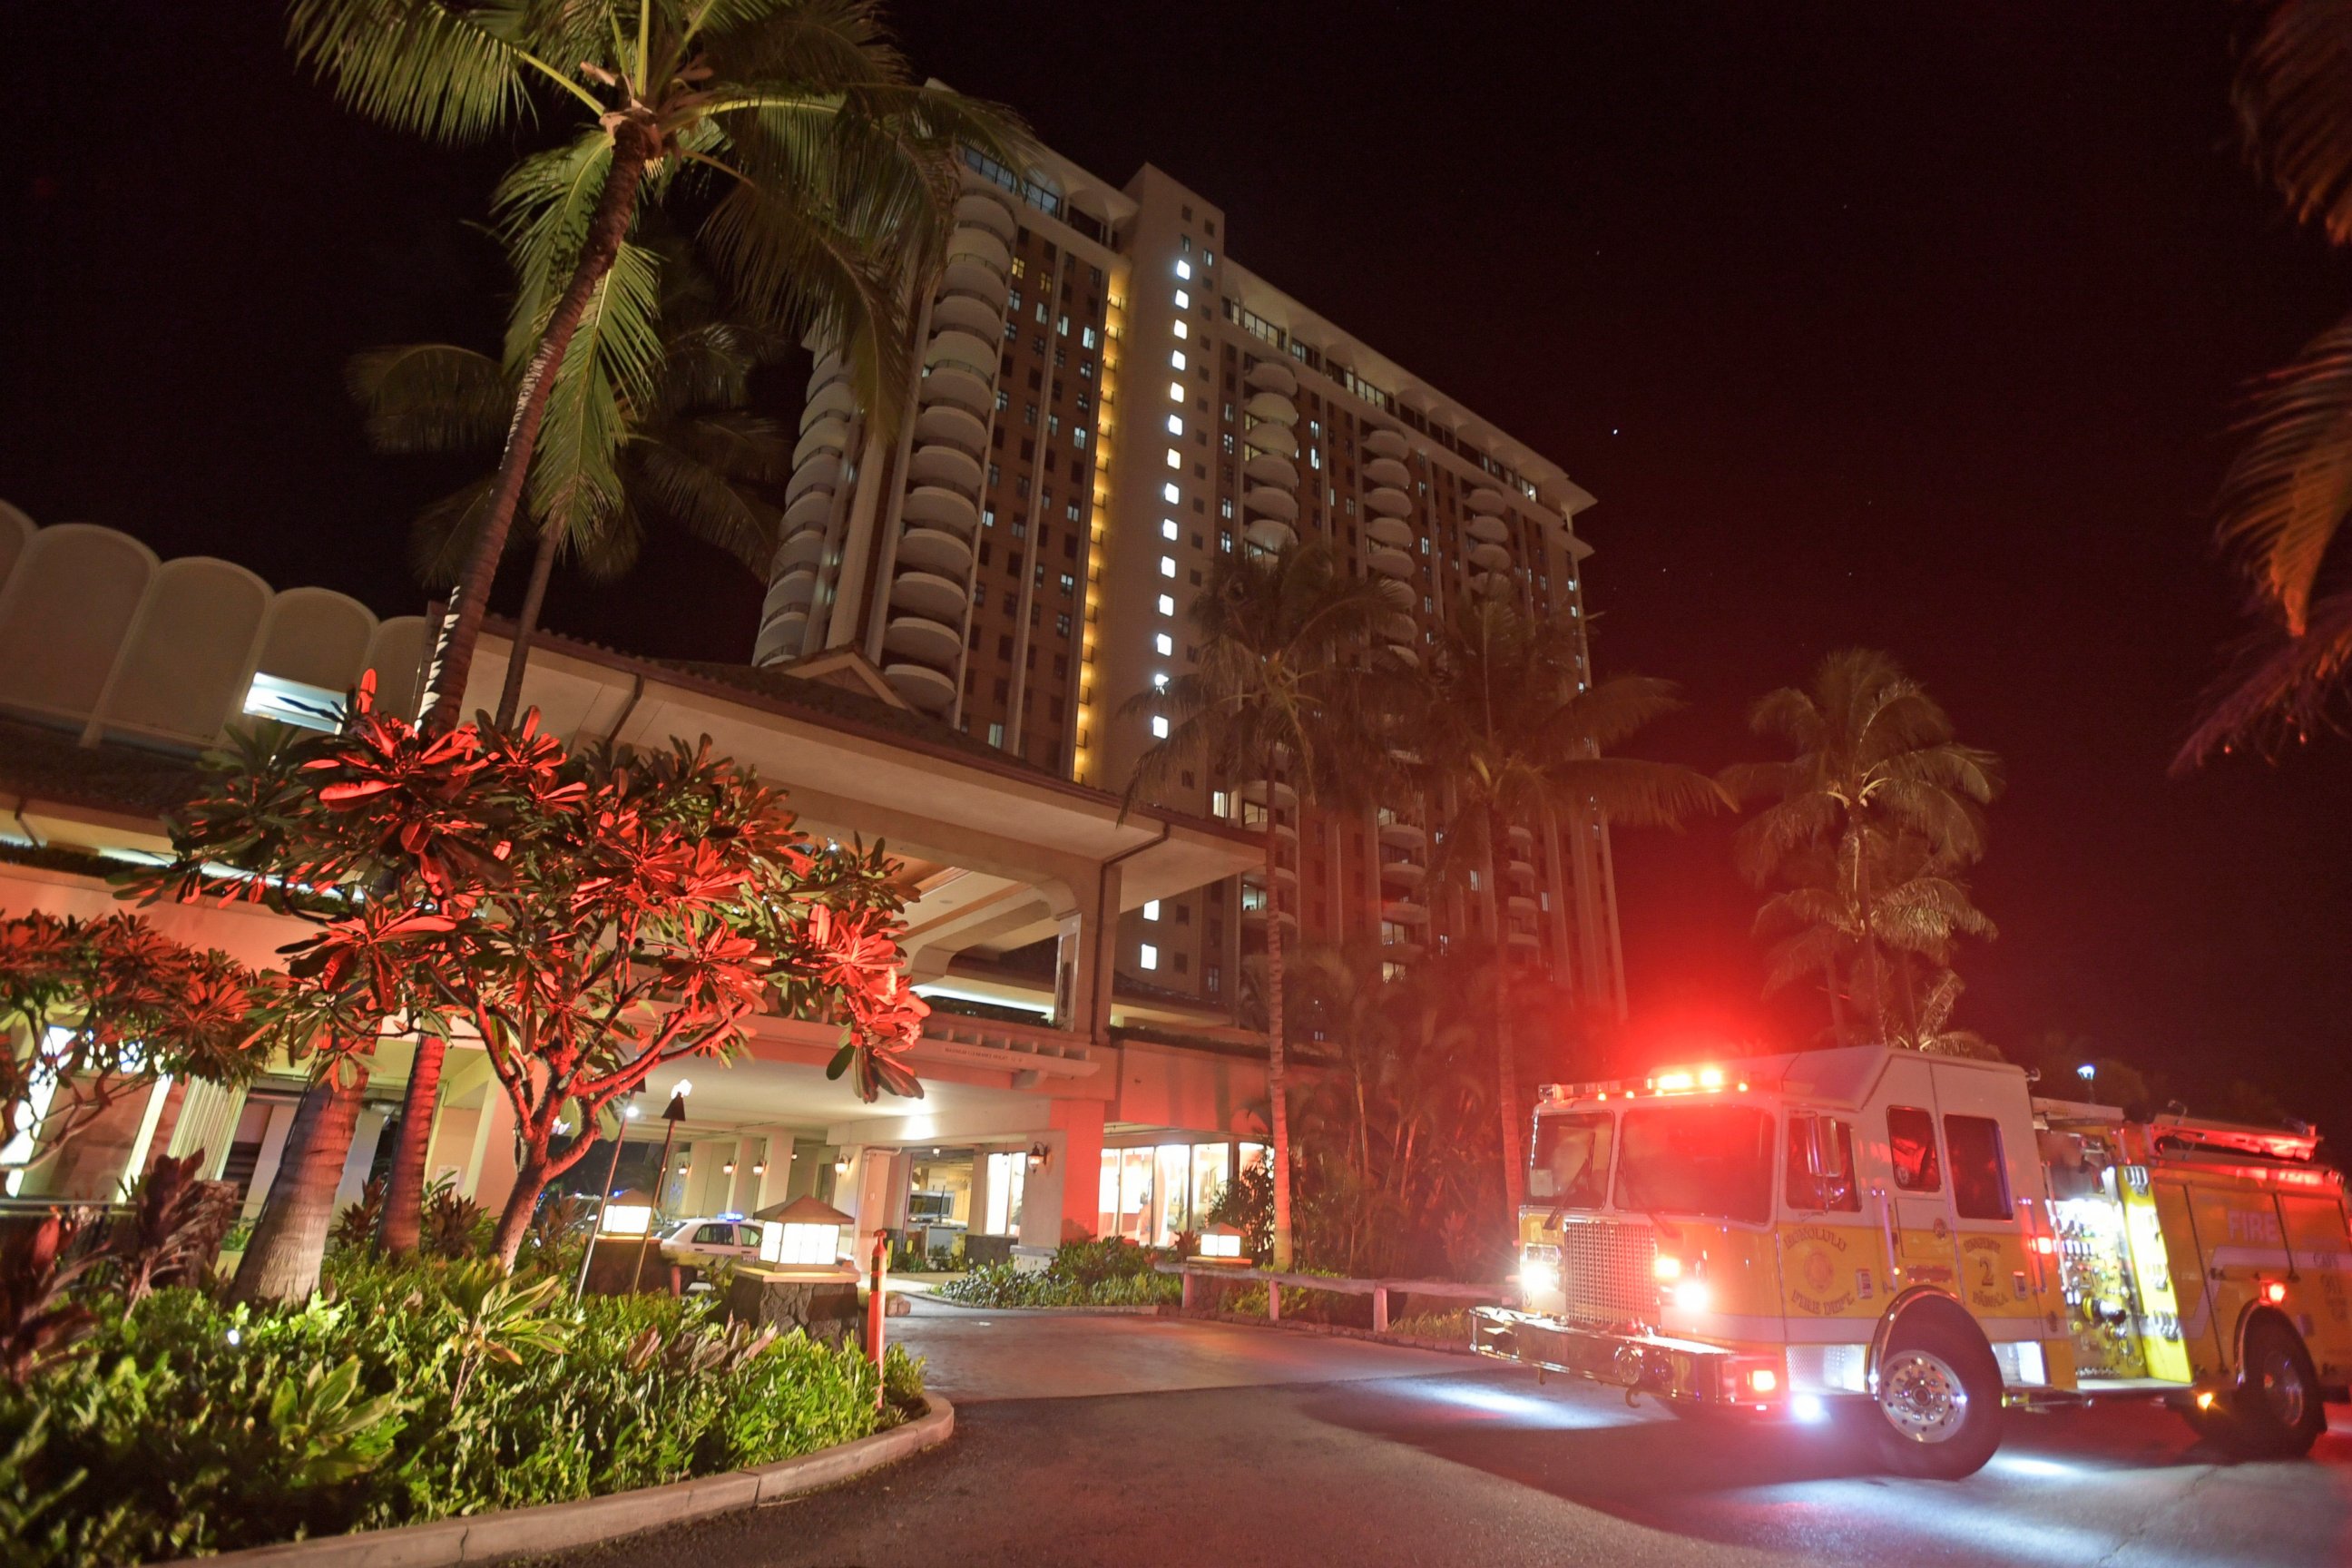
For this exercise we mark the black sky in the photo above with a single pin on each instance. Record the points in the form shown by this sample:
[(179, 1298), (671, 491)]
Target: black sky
[(1913, 326)]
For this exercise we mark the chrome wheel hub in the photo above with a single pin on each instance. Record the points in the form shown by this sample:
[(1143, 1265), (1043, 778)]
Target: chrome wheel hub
[(2281, 1385), (1921, 1396)]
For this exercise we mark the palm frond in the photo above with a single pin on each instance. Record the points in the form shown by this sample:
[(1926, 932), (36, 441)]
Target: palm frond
[(449, 71), (2280, 689), (2284, 499), (443, 535), (430, 397), (2294, 97)]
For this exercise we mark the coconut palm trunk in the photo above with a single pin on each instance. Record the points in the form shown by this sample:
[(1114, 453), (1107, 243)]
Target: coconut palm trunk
[(635, 142), (403, 1197), (543, 567), (290, 1240), (1278, 1112), (1507, 1063)]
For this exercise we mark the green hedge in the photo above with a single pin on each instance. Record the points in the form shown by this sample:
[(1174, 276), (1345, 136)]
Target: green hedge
[(189, 1427), (1114, 1273)]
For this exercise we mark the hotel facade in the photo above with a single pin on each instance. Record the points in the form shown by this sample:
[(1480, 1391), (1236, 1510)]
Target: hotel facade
[(959, 610)]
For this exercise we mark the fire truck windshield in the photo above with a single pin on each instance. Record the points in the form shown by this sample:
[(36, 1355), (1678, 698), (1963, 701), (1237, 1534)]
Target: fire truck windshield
[(1709, 1159), (1570, 1166)]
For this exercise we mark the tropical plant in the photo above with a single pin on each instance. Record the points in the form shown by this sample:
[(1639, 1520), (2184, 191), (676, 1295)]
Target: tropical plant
[(356, 1227), (105, 1008), (1280, 702), (2283, 502), (691, 457), (449, 1221), (824, 176), (40, 1324), (500, 1319), (1509, 733), (1874, 809), (173, 1230)]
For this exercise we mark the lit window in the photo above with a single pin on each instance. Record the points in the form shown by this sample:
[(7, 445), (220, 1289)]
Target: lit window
[(294, 702), (1163, 645), (1175, 426), (1184, 269), (1218, 803), (1167, 528), (1183, 330), (1168, 566), (1176, 359), (1158, 728), (1149, 956), (1087, 337), (1176, 391), (1151, 909), (1167, 492), (1175, 459), (1159, 681), (1167, 607), (1184, 300)]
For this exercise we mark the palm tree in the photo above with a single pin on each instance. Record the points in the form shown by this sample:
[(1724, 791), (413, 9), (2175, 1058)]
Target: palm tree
[(692, 457), (2283, 502), (1281, 697), (825, 177), (1506, 733), (1874, 763)]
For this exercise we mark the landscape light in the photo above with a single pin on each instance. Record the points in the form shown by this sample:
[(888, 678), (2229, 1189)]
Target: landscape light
[(2087, 1071)]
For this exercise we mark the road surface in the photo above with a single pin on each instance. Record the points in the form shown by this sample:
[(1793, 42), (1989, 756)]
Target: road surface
[(1134, 1441)]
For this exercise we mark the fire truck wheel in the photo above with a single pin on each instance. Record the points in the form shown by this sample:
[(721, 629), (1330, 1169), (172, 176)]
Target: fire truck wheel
[(1938, 1399), (2275, 1413)]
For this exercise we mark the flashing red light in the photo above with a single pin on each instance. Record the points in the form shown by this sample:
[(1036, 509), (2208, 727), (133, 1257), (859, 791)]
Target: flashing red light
[(1763, 1380), (2045, 1245), (2274, 1291)]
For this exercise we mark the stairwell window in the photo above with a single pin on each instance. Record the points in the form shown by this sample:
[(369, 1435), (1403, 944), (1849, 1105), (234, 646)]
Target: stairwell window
[(1147, 956)]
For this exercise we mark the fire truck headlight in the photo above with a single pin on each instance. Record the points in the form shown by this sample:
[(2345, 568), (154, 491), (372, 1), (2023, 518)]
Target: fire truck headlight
[(1539, 1275), (1693, 1295), (1666, 1266), (1763, 1380), (1808, 1407)]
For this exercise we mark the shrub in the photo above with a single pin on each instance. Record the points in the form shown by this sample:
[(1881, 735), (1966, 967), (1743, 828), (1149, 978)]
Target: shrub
[(1112, 1273), (400, 1393)]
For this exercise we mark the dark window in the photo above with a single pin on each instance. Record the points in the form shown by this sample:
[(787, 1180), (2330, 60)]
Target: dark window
[(1979, 1174), (1713, 1161), (1911, 1140), (1569, 1163), (1821, 1166), (716, 1235)]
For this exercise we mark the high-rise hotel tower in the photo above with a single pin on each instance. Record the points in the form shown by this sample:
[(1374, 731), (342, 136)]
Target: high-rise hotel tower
[(1108, 401)]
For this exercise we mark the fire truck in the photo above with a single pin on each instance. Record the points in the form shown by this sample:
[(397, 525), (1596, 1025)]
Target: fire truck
[(1918, 1241)]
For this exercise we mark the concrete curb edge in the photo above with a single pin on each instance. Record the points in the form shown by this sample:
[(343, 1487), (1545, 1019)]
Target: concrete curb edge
[(587, 1522), (1333, 1331)]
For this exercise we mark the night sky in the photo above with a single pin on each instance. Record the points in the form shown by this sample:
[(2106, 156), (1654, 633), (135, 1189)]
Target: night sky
[(1918, 327)]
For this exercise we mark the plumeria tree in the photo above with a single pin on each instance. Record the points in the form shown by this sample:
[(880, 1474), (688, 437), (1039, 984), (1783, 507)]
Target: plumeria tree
[(91, 1010), (583, 916)]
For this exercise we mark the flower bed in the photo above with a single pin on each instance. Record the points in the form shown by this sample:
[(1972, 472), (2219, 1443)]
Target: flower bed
[(395, 1396)]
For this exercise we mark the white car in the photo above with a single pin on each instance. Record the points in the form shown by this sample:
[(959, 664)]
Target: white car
[(692, 1243)]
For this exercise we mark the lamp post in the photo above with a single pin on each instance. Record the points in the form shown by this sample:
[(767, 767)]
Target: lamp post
[(673, 1114), (611, 1173)]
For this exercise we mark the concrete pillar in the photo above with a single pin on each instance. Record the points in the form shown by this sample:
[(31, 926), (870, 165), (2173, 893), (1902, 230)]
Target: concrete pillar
[(365, 1135), (265, 1166), (207, 1124), (490, 1164), (1061, 1202), (134, 1162), (703, 1177), (773, 1184), (976, 1223)]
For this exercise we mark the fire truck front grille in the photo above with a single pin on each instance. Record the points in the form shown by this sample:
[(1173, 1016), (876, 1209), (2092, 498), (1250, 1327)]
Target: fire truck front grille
[(1608, 1271)]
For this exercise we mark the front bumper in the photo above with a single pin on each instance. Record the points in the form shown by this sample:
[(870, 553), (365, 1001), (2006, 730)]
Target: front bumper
[(1686, 1370)]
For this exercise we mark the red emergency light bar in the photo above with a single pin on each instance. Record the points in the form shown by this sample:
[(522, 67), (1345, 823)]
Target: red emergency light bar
[(1666, 1081)]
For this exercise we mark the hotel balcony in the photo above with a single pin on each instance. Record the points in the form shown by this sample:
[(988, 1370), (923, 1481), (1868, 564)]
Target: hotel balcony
[(1269, 437), (1400, 833), (982, 208), (1272, 376), (1266, 469), (1387, 444), (1487, 529), (1393, 532), (936, 506), (1388, 473), (969, 313), (936, 551), (1254, 793), (1388, 561)]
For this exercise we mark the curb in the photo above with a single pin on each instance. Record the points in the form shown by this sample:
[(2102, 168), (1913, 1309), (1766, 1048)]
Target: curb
[(1145, 1310), (1333, 1331), (587, 1522)]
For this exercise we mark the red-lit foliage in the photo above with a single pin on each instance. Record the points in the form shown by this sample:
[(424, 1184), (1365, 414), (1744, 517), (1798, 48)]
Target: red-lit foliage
[(586, 915), (107, 1006)]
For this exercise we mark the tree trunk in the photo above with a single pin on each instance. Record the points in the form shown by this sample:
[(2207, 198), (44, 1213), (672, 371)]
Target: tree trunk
[(635, 145), (1279, 1113), (530, 1180), (290, 1241), (543, 567), (1506, 1064), (1837, 998), (404, 1196)]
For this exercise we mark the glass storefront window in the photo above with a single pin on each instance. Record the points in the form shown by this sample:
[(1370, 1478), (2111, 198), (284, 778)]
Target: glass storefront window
[(1208, 1176), (1006, 1173), (1135, 1193), (1175, 1190)]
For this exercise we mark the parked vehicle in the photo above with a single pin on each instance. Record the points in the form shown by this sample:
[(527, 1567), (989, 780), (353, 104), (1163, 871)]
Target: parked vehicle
[(696, 1242), (1925, 1236)]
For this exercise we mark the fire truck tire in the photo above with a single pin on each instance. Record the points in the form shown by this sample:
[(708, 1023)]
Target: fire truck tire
[(2276, 1411), (1939, 1400)]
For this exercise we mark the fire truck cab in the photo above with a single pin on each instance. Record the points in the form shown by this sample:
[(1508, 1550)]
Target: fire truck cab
[(1922, 1240)]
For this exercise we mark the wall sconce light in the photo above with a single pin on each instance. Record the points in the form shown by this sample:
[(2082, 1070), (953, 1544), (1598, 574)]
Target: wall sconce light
[(841, 1166), (1041, 1159), (760, 1168)]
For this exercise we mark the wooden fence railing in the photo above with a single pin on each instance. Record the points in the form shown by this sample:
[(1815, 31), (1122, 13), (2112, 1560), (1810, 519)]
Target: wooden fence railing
[(1378, 1289)]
